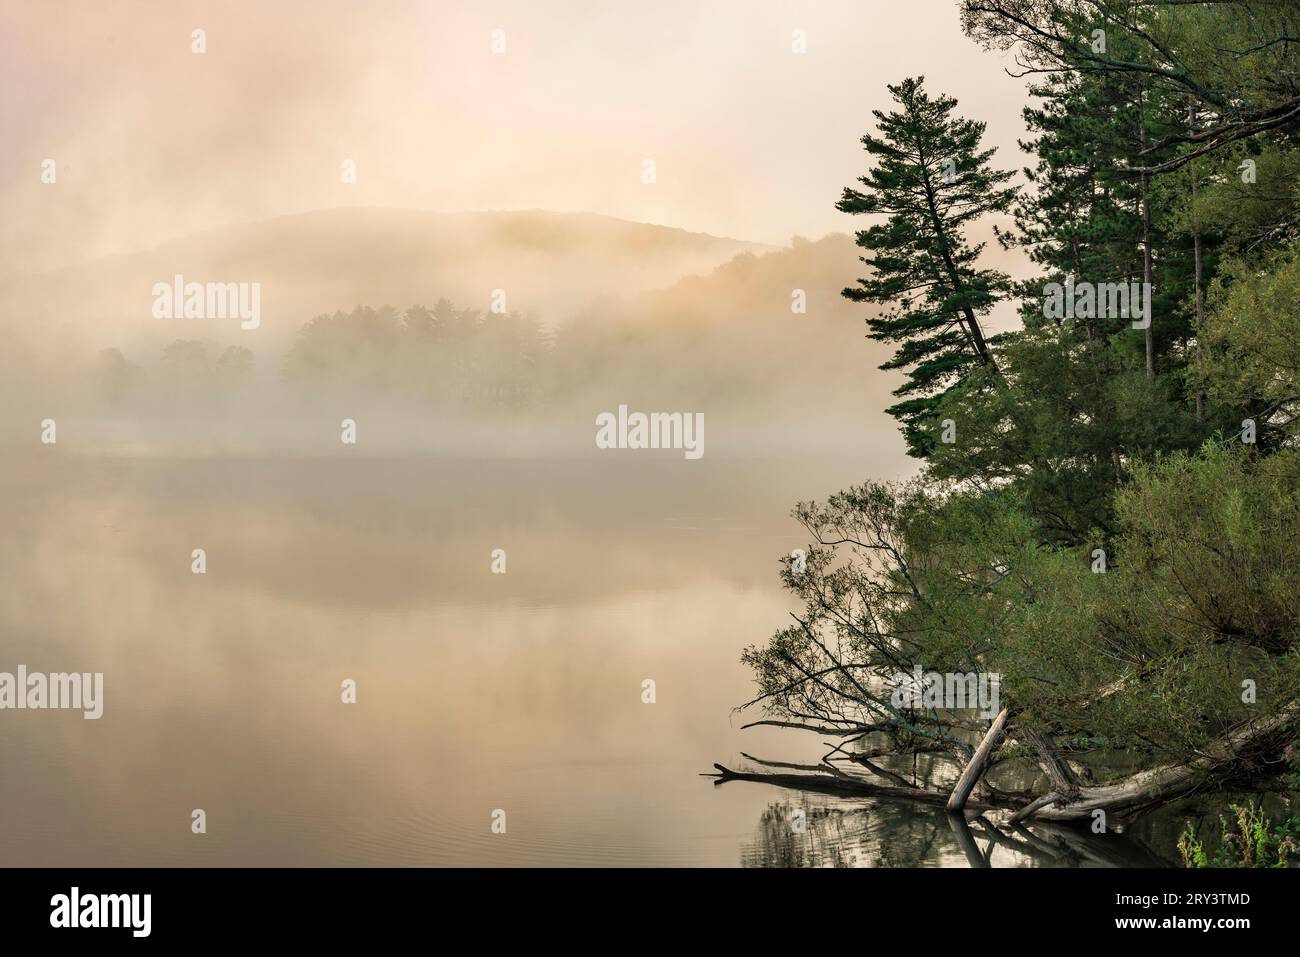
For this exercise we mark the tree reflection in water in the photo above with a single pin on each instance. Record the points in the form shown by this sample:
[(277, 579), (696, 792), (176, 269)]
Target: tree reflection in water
[(888, 834)]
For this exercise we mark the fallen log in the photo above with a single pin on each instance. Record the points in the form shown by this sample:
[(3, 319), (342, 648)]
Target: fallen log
[(1032, 806), (850, 785), (978, 763), (1146, 790), (1222, 760)]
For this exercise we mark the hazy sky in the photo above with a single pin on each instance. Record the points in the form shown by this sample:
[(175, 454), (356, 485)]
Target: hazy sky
[(749, 139)]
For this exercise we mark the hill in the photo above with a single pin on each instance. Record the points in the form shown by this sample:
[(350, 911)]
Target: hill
[(550, 263)]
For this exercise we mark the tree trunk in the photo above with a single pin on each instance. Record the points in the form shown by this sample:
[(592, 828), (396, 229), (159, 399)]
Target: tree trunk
[(1196, 258), (850, 785), (1146, 240), (1223, 759), (1059, 776), (977, 765), (973, 330), (1141, 792)]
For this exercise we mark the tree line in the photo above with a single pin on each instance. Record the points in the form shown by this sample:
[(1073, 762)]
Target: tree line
[(1108, 511)]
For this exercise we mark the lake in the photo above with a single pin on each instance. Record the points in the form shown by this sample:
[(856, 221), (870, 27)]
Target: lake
[(475, 692)]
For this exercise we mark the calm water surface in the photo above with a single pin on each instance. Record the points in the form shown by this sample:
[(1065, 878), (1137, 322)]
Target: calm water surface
[(475, 691)]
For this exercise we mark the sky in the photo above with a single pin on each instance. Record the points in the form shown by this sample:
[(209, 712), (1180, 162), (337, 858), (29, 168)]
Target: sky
[(749, 139)]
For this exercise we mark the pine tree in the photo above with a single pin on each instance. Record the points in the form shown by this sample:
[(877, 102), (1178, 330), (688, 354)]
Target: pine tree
[(1079, 217), (931, 179)]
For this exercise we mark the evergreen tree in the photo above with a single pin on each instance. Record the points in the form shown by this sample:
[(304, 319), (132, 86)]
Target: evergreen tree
[(1080, 405), (931, 180), (1114, 531)]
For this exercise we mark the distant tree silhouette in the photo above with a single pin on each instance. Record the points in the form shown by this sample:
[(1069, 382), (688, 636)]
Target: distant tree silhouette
[(186, 371), (234, 368), (118, 378), (444, 356)]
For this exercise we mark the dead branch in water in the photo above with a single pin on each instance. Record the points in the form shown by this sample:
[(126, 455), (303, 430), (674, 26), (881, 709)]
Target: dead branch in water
[(842, 784), (975, 769), (1224, 759)]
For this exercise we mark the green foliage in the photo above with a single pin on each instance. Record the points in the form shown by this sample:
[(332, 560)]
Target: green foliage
[(1253, 210), (1100, 537), (1250, 355), (1247, 840), (1205, 595), (1072, 417), (1233, 60), (931, 180)]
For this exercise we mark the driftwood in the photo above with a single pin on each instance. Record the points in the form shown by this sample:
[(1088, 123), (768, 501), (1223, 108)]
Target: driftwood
[(1065, 800), (977, 765), (851, 785), (1146, 790), (1029, 809)]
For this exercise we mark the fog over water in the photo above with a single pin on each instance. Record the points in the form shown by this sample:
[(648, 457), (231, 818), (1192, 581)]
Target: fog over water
[(476, 691), (421, 386), (350, 471)]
